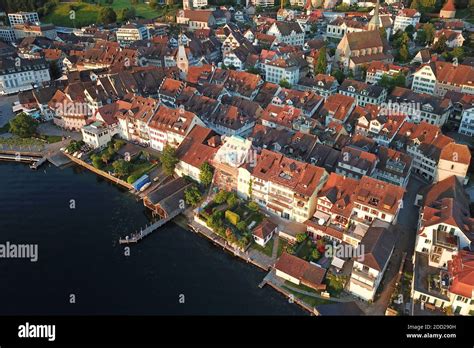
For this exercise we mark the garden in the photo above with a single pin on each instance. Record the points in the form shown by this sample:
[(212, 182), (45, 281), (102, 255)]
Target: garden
[(232, 218), (123, 167), (305, 248)]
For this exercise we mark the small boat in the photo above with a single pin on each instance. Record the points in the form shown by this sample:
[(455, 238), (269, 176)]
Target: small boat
[(145, 186)]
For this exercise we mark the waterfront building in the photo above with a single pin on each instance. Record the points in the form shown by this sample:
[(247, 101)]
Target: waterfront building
[(19, 74)]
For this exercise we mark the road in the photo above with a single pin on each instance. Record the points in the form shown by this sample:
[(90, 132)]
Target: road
[(6, 112)]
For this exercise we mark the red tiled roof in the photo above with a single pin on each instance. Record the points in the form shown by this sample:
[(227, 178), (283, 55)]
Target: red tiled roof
[(301, 270), (461, 269)]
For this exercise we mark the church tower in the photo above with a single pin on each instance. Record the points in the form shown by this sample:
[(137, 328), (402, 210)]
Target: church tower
[(375, 23), (182, 59)]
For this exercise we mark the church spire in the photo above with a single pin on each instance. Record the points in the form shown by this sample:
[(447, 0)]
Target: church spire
[(374, 23)]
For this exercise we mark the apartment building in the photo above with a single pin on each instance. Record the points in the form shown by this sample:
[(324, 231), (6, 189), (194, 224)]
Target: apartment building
[(405, 18), (467, 121), (132, 32), (283, 186), (170, 126), (421, 106), (289, 33), (436, 78), (367, 271), (19, 74), (23, 18), (363, 92)]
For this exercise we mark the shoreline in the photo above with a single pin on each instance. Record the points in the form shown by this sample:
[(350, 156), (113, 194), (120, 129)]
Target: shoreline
[(184, 222)]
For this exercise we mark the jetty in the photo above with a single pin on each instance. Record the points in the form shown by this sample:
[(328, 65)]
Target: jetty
[(136, 237)]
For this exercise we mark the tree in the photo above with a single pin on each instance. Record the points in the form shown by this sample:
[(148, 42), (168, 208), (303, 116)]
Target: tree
[(339, 75), (429, 30), (121, 168), (285, 84), (23, 125), (242, 226), (97, 162), (153, 4), (458, 53), (107, 15), (127, 14), (322, 63), (168, 159), (105, 157), (221, 196), (410, 30), (403, 53), (420, 37), (192, 196), (440, 45), (253, 206), (206, 173), (300, 237), (399, 80), (315, 254), (232, 200)]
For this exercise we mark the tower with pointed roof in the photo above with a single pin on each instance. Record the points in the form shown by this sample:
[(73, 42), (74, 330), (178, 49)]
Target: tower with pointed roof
[(375, 22), (448, 10)]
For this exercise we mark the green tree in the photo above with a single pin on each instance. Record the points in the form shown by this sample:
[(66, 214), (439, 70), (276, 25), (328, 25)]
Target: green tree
[(192, 196), (322, 63), (285, 84), (300, 237), (168, 159), (107, 15), (122, 168), (403, 53), (253, 206), (399, 80), (339, 75), (429, 30), (232, 200), (315, 254), (206, 173), (242, 226), (127, 14), (420, 37), (23, 125), (440, 45), (458, 53), (105, 157), (221, 196), (97, 163)]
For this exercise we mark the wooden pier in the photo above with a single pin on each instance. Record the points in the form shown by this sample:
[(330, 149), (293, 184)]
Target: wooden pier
[(136, 237)]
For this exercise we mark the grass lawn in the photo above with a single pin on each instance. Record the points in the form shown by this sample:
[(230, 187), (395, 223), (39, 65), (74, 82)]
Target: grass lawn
[(312, 301), (51, 138), (88, 13), (141, 168), (267, 250), (16, 141)]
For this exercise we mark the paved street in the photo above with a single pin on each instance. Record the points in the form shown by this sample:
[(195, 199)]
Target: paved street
[(49, 128)]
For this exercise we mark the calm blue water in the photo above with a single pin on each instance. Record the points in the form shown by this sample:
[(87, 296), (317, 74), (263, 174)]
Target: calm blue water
[(79, 254)]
